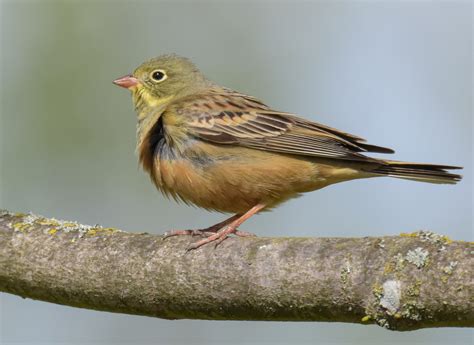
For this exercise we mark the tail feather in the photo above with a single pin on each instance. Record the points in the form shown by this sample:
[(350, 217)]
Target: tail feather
[(430, 173)]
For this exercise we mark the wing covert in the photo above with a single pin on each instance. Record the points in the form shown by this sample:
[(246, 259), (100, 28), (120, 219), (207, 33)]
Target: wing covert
[(232, 118)]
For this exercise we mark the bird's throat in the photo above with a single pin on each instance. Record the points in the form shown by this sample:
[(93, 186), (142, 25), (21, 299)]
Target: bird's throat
[(147, 103)]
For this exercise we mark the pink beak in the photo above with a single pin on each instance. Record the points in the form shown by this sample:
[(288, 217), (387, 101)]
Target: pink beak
[(126, 81)]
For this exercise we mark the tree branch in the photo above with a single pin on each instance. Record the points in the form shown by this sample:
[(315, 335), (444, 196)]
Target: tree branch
[(401, 282)]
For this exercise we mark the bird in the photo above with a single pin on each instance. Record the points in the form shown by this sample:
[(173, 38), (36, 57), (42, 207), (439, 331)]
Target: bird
[(223, 150)]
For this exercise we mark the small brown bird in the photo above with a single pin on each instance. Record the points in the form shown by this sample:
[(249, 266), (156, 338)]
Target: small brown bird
[(223, 150)]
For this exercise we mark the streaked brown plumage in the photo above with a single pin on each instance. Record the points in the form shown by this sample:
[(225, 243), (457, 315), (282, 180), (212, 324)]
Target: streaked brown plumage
[(222, 150)]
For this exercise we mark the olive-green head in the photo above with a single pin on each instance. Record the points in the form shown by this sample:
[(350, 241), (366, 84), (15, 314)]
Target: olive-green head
[(164, 77)]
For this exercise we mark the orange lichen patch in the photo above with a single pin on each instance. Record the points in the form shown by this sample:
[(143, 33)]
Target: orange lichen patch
[(21, 226), (46, 221), (411, 234), (388, 268), (100, 230)]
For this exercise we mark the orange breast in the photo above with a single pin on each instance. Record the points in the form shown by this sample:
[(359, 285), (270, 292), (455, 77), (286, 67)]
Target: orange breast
[(234, 179)]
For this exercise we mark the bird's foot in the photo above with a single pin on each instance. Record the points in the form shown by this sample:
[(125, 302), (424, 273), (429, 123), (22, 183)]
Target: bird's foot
[(219, 232), (218, 236), (196, 232), (202, 233)]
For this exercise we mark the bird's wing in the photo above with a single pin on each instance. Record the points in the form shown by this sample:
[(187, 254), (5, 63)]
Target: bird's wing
[(229, 117)]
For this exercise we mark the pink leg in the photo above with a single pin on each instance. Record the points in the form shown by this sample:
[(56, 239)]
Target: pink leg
[(222, 234), (207, 231)]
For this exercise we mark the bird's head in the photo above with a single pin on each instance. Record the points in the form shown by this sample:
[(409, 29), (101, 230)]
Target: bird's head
[(161, 79)]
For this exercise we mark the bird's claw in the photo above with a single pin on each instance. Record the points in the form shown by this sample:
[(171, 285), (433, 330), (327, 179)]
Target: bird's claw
[(192, 233), (211, 235)]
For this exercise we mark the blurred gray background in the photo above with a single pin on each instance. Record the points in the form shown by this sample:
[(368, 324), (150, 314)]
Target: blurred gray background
[(398, 73)]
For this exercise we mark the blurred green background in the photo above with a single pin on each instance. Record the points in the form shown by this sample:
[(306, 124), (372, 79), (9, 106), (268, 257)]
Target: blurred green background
[(398, 73)]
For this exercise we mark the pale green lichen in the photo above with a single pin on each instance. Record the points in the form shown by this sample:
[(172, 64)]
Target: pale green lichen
[(376, 313), (428, 236), (382, 322), (390, 298), (4, 213), (396, 264), (387, 303), (417, 257), (431, 237), (411, 310), (448, 271), (377, 290), (450, 268), (29, 221), (68, 226), (414, 290), (399, 262)]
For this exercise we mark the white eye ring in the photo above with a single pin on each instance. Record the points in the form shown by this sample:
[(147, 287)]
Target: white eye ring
[(158, 75)]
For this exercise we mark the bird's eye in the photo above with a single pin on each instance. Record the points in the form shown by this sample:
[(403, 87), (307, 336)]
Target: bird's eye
[(158, 75)]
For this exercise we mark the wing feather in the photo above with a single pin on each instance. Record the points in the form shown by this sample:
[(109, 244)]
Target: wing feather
[(226, 117)]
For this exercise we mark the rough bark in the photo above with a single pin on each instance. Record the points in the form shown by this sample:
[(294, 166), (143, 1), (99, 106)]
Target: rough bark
[(401, 282)]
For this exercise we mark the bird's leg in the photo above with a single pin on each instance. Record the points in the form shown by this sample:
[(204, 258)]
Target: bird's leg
[(204, 232), (231, 228)]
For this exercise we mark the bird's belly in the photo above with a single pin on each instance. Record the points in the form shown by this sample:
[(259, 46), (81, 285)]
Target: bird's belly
[(236, 179)]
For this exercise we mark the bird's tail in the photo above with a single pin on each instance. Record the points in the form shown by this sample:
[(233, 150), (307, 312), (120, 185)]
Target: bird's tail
[(430, 173)]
